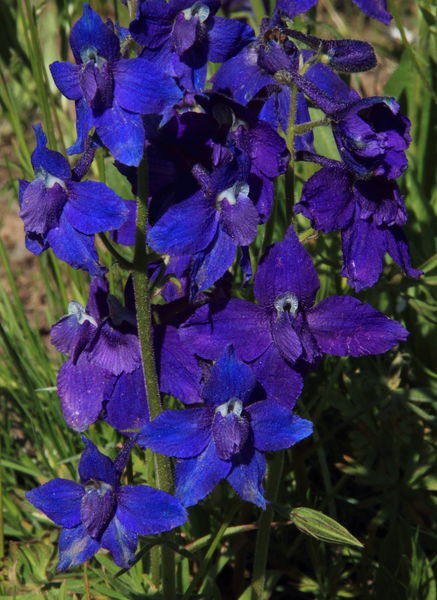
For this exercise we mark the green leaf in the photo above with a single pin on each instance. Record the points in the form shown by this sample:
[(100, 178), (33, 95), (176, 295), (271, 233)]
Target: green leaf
[(322, 527)]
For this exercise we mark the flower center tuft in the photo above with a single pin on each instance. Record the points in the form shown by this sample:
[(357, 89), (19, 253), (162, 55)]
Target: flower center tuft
[(286, 302)]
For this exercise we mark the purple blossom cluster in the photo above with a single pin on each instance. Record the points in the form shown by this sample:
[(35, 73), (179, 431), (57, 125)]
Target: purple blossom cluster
[(214, 150)]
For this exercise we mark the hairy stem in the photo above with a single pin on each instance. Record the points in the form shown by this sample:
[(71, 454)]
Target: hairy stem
[(289, 175), (164, 478)]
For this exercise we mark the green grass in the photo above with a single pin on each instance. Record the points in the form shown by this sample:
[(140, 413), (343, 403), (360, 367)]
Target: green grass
[(372, 463)]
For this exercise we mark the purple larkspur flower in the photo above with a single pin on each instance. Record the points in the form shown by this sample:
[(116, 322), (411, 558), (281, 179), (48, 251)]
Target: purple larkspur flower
[(99, 512), (377, 9), (181, 36), (212, 223), (64, 214), (111, 92), (226, 437), (369, 213), (104, 374), (285, 333), (372, 136)]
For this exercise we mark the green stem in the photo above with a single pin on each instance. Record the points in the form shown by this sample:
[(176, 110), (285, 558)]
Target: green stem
[(289, 176), (265, 522), (164, 477), (122, 261), (304, 127)]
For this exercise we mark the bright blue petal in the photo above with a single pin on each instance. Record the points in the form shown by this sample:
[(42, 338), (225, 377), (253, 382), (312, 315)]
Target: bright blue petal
[(93, 207), (95, 465), (75, 248), (141, 87), (186, 227), (247, 475), (60, 500), (213, 262), (84, 122), (230, 378), (66, 77), (122, 132), (75, 547), (276, 427), (146, 511), (121, 543), (227, 37), (180, 433), (126, 407), (197, 477), (91, 32), (53, 162)]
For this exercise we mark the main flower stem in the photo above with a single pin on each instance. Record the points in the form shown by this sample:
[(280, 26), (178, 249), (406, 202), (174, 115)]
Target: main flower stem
[(289, 175), (164, 478), (264, 526)]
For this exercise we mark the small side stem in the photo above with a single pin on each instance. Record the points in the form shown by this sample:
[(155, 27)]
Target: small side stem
[(265, 522), (123, 262), (164, 477)]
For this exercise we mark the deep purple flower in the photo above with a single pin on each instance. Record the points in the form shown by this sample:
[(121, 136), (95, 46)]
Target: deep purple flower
[(104, 374), (181, 36), (226, 436), (99, 512), (63, 214), (111, 92), (372, 136), (377, 9), (284, 331), (369, 214)]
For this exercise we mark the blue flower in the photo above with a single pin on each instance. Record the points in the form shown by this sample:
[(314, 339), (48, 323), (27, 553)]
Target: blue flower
[(226, 437), (99, 512), (371, 209), (63, 214), (104, 375), (285, 333), (111, 92), (181, 36), (377, 9)]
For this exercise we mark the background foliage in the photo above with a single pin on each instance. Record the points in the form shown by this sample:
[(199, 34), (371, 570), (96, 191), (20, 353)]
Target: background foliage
[(371, 463)]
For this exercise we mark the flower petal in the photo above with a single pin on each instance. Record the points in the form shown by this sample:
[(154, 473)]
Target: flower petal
[(121, 543), (215, 325), (91, 31), (286, 267), (66, 78), (115, 350), (127, 407), (246, 477), (185, 228), (180, 433), (75, 248), (197, 477), (95, 465), (229, 378), (60, 500), (75, 547), (93, 207), (81, 390), (281, 382), (276, 427), (146, 511), (345, 326), (123, 134), (141, 87)]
